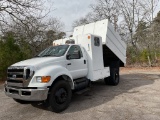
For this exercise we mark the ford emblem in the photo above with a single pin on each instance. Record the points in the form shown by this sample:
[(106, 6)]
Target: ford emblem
[(14, 76)]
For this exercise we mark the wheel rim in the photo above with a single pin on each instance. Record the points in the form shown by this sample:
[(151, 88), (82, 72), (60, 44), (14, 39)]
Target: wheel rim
[(61, 96)]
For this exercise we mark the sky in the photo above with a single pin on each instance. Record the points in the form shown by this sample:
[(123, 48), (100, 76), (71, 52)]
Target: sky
[(70, 10)]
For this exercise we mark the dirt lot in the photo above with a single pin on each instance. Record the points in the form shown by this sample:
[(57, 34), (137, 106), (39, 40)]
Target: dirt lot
[(137, 97)]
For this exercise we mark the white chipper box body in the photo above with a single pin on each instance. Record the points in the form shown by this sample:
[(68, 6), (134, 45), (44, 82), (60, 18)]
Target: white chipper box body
[(110, 38), (94, 52)]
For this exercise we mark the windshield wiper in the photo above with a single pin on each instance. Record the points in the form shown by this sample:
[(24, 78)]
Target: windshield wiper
[(37, 56), (46, 55)]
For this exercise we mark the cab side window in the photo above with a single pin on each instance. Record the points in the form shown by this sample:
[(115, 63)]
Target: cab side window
[(75, 52), (96, 41)]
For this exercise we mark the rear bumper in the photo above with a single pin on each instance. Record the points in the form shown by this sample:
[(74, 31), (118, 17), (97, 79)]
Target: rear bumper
[(27, 94)]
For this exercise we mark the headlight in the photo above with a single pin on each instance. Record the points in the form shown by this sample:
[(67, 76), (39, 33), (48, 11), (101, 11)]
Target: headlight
[(38, 79), (43, 79)]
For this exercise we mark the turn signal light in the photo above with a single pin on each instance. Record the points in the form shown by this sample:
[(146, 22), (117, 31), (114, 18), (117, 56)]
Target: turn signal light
[(45, 79)]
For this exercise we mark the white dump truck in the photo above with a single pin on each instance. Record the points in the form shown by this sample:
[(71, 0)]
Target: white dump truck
[(95, 52)]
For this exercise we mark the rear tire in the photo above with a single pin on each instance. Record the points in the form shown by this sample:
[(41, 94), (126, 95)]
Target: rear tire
[(60, 96), (114, 74)]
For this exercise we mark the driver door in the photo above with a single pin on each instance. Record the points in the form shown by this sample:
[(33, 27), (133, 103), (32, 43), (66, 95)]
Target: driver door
[(76, 63)]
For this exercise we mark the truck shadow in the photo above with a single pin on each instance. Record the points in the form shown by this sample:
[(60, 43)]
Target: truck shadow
[(101, 93)]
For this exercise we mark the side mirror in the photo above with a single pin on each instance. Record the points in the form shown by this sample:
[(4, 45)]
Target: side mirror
[(68, 57)]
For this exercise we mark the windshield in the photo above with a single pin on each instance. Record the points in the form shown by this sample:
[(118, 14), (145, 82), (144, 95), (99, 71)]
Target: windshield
[(55, 51)]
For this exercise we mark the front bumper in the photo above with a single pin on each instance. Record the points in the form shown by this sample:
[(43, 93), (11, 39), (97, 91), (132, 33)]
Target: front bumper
[(27, 94)]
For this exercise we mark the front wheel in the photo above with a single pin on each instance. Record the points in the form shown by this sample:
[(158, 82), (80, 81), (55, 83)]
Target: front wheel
[(60, 96)]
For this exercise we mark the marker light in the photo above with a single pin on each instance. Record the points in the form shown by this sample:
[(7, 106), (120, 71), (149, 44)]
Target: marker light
[(89, 37)]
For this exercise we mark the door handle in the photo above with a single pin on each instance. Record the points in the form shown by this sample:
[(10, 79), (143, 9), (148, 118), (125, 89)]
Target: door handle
[(69, 64), (84, 61)]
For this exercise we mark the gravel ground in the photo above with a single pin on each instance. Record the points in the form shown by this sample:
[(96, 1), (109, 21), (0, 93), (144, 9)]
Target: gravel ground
[(137, 97)]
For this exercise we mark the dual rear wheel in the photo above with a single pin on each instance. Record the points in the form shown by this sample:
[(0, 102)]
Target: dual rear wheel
[(113, 79)]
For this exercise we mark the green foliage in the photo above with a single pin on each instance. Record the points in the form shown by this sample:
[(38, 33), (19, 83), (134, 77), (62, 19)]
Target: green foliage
[(157, 18), (131, 55), (10, 52), (13, 50), (143, 57), (140, 57), (140, 35)]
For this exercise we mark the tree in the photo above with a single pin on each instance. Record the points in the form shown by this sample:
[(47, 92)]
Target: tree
[(140, 35), (10, 52), (134, 11), (90, 17), (125, 15), (36, 33), (133, 19), (156, 31), (19, 9), (25, 31), (105, 9)]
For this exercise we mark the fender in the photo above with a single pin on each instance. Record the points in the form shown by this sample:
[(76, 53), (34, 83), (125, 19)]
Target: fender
[(54, 71)]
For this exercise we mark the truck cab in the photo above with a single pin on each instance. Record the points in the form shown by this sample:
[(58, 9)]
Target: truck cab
[(69, 65)]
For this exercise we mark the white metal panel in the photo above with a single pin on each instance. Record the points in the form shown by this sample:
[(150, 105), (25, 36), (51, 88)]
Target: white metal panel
[(86, 44), (58, 42), (100, 74), (106, 72), (115, 41), (97, 54), (97, 74), (101, 29), (94, 56), (110, 27), (116, 51), (89, 28), (106, 31), (112, 38), (63, 41), (77, 68), (78, 30)]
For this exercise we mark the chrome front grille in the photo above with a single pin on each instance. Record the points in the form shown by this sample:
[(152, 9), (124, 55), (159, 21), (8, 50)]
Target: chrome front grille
[(15, 72), (15, 76), (18, 76)]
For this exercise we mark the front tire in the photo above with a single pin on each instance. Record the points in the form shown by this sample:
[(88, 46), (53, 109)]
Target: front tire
[(60, 96)]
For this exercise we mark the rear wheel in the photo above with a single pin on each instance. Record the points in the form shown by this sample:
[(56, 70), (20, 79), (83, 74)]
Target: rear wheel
[(60, 96), (114, 74)]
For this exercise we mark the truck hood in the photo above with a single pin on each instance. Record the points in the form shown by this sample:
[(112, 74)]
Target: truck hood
[(38, 61)]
